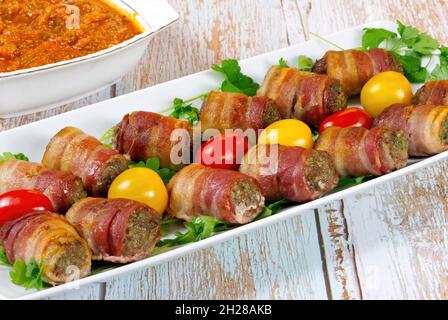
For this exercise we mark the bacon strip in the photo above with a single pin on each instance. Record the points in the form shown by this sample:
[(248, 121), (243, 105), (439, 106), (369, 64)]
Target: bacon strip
[(143, 135), (226, 110), (433, 93), (425, 125), (83, 155), (353, 68), (360, 152), (226, 195), (117, 230), (291, 173), (48, 238), (62, 188), (306, 96)]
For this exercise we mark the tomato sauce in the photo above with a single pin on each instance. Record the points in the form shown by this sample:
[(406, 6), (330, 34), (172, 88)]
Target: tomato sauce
[(39, 32)]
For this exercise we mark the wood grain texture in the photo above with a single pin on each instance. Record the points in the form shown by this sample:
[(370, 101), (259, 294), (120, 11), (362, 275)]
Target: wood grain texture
[(367, 255), (279, 262), (390, 242)]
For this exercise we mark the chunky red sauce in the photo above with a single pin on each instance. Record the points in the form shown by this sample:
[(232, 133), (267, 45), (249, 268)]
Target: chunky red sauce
[(39, 32)]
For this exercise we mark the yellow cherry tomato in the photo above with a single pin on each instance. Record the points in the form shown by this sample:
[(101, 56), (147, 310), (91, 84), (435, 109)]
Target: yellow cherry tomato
[(289, 133), (384, 90), (143, 185)]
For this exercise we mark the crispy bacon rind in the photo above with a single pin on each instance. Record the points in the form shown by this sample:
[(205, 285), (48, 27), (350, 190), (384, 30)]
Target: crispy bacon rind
[(198, 190), (50, 239), (83, 155), (226, 110), (62, 188), (433, 93), (425, 125), (353, 68), (291, 173), (306, 96), (360, 152), (143, 135), (117, 230)]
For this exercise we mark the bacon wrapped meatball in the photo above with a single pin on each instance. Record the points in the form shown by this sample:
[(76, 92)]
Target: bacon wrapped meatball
[(62, 188), (226, 110), (50, 240), (226, 195), (426, 126), (353, 68), (83, 155), (143, 135), (433, 93), (360, 152), (292, 173), (306, 96), (117, 230)]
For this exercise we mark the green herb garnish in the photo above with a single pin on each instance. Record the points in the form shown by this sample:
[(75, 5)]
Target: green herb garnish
[(235, 80), (440, 72), (198, 229), (3, 258), (409, 46), (154, 164), (345, 182), (282, 63), (10, 156), (305, 64), (274, 208), (185, 111), (107, 138), (27, 275)]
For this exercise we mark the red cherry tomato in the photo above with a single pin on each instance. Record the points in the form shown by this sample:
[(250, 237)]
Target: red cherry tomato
[(15, 204), (223, 151), (351, 117)]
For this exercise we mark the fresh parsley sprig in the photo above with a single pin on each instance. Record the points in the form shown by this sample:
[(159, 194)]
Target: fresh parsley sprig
[(345, 182), (440, 72), (10, 156), (274, 208), (185, 111), (28, 275), (154, 164), (305, 64), (235, 80), (107, 138), (282, 63), (198, 229), (409, 45), (3, 258)]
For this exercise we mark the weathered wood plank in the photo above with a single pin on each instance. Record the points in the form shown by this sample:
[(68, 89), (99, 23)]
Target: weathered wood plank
[(278, 262), (359, 239)]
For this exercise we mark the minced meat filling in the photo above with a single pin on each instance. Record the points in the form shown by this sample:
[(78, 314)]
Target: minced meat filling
[(319, 170), (246, 198), (139, 233), (397, 145), (73, 254), (271, 114), (112, 170), (444, 131)]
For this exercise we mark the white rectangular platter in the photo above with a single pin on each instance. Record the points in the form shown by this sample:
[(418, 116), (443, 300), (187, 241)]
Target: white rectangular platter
[(98, 118)]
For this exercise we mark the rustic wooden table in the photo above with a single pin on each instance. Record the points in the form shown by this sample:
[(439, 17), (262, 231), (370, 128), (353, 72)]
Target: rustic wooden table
[(388, 243)]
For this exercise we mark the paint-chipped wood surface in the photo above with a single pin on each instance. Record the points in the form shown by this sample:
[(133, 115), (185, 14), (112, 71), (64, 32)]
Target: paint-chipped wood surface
[(388, 243)]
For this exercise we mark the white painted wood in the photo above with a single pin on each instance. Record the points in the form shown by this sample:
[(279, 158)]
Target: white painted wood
[(367, 255), (390, 242), (279, 262)]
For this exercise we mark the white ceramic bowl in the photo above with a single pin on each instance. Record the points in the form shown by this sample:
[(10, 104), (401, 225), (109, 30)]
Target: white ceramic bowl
[(44, 87)]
